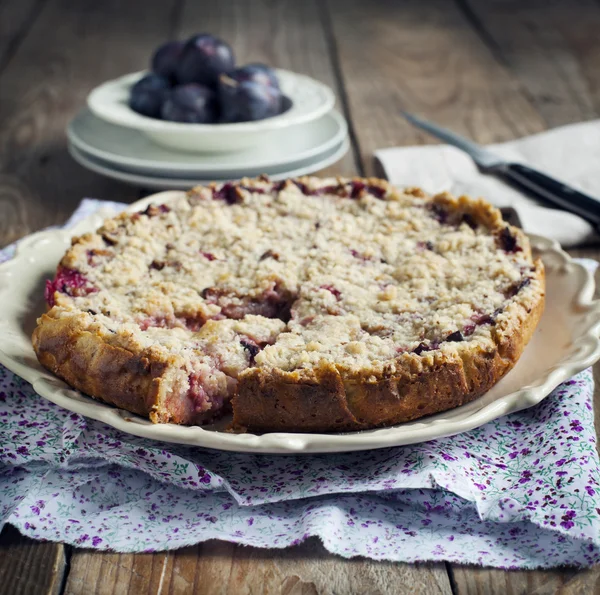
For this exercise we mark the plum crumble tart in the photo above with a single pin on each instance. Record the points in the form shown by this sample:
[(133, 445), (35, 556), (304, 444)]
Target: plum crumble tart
[(305, 305)]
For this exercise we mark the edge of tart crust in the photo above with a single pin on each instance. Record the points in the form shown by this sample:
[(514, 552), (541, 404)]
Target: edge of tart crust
[(323, 400), (326, 398)]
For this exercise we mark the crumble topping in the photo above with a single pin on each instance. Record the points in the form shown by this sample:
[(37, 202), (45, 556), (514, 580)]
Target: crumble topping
[(289, 275)]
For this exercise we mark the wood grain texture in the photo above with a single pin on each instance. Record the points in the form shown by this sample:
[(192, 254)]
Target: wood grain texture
[(28, 567), (70, 48), (285, 33), (484, 581), (423, 57), (16, 18), (551, 47), (218, 568), (94, 573)]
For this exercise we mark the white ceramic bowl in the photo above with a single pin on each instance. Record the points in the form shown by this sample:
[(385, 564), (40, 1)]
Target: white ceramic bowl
[(309, 98)]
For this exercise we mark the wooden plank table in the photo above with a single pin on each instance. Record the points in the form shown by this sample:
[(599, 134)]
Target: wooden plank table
[(494, 71)]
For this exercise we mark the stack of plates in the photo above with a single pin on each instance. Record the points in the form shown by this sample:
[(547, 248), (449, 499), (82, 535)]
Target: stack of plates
[(118, 149)]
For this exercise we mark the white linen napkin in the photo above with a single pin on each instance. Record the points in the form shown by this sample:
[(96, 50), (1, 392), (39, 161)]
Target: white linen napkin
[(570, 153)]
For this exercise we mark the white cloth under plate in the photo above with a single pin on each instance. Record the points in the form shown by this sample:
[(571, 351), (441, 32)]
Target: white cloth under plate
[(570, 153)]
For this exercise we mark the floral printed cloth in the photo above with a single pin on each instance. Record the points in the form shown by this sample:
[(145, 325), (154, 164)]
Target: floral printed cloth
[(520, 492)]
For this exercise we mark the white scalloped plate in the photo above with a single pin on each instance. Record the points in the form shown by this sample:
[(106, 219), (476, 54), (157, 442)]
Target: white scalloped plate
[(566, 341), (310, 99)]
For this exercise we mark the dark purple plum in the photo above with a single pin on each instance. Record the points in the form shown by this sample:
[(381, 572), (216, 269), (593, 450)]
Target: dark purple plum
[(247, 101), (152, 82), (203, 59), (148, 94), (286, 104), (191, 103), (257, 73), (166, 58)]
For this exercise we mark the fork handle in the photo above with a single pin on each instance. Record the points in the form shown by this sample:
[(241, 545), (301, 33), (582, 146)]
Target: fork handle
[(552, 191)]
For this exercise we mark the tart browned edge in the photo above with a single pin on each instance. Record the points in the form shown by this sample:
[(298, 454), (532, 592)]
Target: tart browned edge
[(315, 400)]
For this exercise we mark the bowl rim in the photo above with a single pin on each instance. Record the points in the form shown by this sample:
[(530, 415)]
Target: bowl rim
[(102, 101)]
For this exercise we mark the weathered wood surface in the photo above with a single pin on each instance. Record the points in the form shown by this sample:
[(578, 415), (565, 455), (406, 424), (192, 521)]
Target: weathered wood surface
[(492, 70), (224, 569), (28, 566), (551, 48), (423, 57)]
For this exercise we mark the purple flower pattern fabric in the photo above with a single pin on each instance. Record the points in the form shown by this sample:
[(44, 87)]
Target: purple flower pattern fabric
[(520, 492)]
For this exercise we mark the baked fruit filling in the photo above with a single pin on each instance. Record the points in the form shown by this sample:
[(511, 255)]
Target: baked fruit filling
[(232, 284)]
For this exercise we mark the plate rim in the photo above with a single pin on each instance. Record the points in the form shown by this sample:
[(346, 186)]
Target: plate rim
[(82, 146), (155, 182), (56, 391)]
